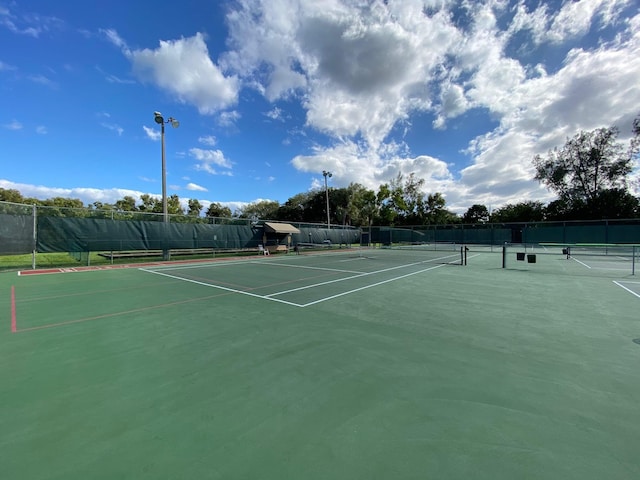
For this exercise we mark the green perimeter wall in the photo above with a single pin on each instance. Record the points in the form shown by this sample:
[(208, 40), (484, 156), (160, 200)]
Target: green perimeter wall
[(602, 231), (25, 228), (57, 234)]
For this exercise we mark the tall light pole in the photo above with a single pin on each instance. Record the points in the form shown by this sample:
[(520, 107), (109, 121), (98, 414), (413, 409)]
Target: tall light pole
[(326, 189), (165, 211)]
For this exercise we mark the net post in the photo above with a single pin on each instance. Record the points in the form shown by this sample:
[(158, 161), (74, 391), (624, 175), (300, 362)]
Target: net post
[(504, 256), (461, 256)]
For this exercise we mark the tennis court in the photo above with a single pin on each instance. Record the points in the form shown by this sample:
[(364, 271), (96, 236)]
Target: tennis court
[(351, 363)]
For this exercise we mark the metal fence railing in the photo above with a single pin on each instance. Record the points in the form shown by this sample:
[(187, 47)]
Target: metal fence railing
[(41, 231)]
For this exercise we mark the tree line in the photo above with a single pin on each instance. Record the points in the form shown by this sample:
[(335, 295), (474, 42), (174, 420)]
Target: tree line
[(589, 174)]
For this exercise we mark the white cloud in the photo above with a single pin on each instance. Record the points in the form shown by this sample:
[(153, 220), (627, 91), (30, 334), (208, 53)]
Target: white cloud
[(209, 159), (228, 119), (364, 71), (113, 37), (5, 67), (87, 195), (30, 24), (360, 68), (275, 114), (152, 133), (41, 130), (42, 80), (468, 69), (352, 162), (208, 140), (114, 79), (184, 68), (13, 125), (113, 127), (575, 18), (196, 188)]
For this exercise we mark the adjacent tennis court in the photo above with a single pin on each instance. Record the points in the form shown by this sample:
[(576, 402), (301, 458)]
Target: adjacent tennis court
[(350, 363)]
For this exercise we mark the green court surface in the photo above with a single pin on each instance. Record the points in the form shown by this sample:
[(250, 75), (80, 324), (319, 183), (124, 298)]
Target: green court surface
[(330, 366)]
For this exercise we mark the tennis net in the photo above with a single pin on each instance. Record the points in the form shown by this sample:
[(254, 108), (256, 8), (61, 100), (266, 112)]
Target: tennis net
[(395, 254), (586, 258)]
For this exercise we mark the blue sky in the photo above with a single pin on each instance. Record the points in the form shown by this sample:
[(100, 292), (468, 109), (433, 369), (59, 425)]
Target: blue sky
[(269, 93)]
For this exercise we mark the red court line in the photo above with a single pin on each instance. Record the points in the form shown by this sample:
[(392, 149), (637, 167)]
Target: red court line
[(46, 271), (115, 314), (14, 323)]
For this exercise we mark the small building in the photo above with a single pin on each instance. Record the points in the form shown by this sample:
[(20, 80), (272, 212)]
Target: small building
[(277, 236)]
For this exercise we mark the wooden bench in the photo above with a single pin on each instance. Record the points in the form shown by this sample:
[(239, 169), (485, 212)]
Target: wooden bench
[(172, 252), (277, 248)]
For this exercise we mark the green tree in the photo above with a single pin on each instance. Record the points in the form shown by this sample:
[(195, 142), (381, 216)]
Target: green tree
[(611, 203), (101, 206), (11, 195), (435, 211), (126, 204), (295, 208), (588, 164), (387, 212), (340, 206), (528, 211), (263, 209), (402, 201), (173, 205), (476, 214), (195, 207), (150, 204), (216, 209), (557, 210), (362, 205)]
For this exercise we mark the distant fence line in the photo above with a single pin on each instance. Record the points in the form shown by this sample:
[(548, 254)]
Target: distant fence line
[(579, 231), (34, 228), (44, 229)]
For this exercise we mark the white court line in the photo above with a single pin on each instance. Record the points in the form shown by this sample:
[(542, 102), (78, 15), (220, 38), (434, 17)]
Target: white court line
[(599, 268), (581, 263), (271, 296), (372, 285), (359, 274), (625, 288), (200, 265), (311, 268), (233, 290), (366, 286)]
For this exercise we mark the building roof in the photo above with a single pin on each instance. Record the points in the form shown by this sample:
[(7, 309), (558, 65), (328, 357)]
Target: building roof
[(280, 228)]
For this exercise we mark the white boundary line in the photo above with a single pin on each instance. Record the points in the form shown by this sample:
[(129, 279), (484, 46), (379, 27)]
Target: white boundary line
[(581, 263), (233, 290), (272, 295), (163, 268), (310, 267), (372, 285), (599, 268), (627, 289)]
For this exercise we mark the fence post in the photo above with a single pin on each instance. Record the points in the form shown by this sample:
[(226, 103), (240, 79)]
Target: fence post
[(35, 237)]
